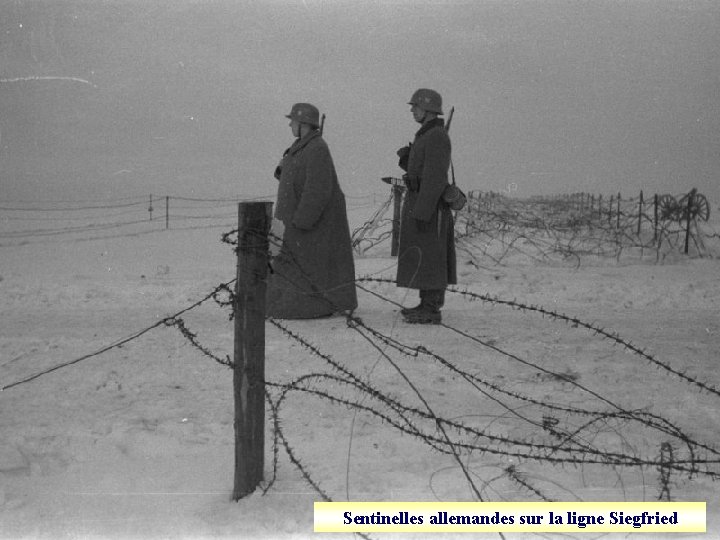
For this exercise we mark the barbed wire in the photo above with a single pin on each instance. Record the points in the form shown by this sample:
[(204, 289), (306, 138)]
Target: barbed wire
[(179, 323), (361, 238), (71, 218), (126, 202), (70, 208), (36, 233), (157, 228), (576, 454), (557, 226), (104, 200), (692, 468), (172, 320), (642, 416), (494, 227), (575, 323), (537, 451), (558, 438)]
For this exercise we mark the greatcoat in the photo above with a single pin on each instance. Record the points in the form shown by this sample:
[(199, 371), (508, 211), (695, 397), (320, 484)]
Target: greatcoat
[(314, 272), (426, 251)]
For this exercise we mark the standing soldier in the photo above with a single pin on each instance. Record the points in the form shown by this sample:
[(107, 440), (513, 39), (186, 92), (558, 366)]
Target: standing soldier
[(426, 254), (314, 272)]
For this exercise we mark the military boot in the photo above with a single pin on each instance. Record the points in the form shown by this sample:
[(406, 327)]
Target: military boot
[(424, 315), (428, 312), (408, 310)]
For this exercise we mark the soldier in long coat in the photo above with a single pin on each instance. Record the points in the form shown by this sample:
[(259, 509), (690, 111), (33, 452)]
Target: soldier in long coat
[(426, 252), (314, 272)]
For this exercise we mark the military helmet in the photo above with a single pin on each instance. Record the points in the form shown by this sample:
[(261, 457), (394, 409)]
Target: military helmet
[(305, 113), (428, 100)]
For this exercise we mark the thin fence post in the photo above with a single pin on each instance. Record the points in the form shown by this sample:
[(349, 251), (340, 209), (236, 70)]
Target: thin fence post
[(690, 203), (150, 208), (640, 210), (617, 224), (397, 193), (254, 220), (167, 211), (610, 208), (600, 206), (655, 218)]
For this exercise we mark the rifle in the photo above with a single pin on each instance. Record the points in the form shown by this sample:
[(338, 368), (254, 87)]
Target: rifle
[(449, 120), (322, 123), (453, 194)]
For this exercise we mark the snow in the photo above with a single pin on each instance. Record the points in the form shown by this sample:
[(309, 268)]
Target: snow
[(137, 441)]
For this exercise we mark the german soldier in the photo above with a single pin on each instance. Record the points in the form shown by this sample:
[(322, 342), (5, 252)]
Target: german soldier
[(426, 254), (314, 272)]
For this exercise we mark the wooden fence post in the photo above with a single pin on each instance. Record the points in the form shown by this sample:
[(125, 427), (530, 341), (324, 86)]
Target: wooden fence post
[(167, 211), (640, 209), (617, 225), (600, 206), (254, 220), (150, 208), (610, 207), (655, 218), (690, 203), (397, 193)]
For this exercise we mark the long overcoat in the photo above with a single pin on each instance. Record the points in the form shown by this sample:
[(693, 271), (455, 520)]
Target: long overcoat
[(426, 252), (314, 272)]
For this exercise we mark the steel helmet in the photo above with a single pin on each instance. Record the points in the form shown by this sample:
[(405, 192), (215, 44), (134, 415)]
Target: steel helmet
[(305, 113), (428, 100)]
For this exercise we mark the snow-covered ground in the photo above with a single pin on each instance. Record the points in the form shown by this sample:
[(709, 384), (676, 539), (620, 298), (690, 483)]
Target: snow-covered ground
[(133, 438)]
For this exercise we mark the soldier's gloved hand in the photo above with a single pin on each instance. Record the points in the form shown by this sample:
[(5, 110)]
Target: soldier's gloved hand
[(422, 226), (412, 182), (404, 153)]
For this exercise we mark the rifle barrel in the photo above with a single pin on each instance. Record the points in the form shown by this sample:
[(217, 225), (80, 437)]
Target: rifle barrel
[(449, 120)]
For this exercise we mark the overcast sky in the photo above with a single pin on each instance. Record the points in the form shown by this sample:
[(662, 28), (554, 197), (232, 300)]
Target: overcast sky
[(550, 96)]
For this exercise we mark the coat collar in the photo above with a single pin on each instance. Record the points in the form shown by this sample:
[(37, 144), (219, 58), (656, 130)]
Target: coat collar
[(301, 143), (429, 125)]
